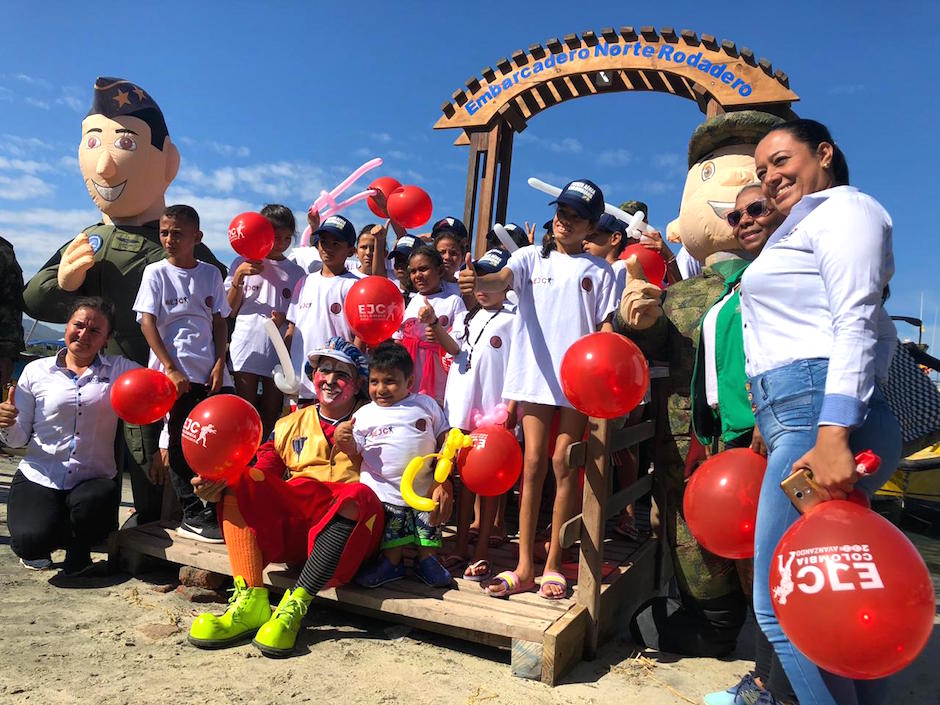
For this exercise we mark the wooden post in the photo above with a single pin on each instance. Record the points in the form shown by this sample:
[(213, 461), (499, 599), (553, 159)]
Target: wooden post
[(487, 188), (590, 574), (505, 164), (478, 140)]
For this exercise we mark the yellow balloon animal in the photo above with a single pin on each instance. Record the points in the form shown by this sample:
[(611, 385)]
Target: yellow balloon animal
[(455, 440)]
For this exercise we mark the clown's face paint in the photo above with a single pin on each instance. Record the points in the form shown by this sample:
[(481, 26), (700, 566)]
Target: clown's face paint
[(334, 382)]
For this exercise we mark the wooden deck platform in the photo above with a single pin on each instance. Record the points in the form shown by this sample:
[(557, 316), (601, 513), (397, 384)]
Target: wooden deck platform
[(546, 636)]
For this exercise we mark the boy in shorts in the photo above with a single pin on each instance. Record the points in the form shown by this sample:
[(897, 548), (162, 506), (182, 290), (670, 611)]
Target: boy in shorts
[(387, 433)]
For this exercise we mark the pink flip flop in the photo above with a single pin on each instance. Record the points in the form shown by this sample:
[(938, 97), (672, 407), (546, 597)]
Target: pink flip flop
[(550, 577), (510, 583)]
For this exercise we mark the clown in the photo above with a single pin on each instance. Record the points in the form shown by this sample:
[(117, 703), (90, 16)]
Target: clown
[(713, 606), (127, 161)]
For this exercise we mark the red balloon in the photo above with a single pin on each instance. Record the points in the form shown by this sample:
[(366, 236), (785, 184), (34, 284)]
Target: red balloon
[(491, 466), (220, 436), (142, 396), (374, 308), (385, 184), (851, 591), (604, 375), (251, 235), (409, 206), (720, 502), (654, 266)]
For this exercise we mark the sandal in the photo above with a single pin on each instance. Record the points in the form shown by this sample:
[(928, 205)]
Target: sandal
[(379, 573), (497, 540), (510, 583), (430, 572), (550, 577), (478, 577), (453, 561), (626, 527)]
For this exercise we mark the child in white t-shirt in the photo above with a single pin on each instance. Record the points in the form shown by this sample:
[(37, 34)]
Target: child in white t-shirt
[(479, 342), (365, 249), (181, 307), (387, 434), (316, 311), (259, 290), (564, 294), (433, 303)]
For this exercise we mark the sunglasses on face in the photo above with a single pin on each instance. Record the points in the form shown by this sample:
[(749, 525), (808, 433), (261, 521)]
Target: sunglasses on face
[(753, 209)]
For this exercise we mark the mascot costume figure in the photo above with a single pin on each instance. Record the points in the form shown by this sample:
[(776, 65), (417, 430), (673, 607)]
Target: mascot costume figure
[(128, 162), (706, 619)]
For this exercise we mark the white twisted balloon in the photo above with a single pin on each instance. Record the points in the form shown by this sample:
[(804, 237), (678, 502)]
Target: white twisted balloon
[(285, 378)]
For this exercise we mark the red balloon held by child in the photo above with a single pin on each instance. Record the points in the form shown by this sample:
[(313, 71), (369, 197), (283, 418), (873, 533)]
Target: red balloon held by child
[(604, 375), (220, 436), (142, 396), (851, 591), (385, 184), (720, 502), (374, 308), (410, 206), (654, 266), (251, 235), (491, 466)]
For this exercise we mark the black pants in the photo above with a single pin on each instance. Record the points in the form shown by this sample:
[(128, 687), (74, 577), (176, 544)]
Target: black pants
[(41, 519), (180, 472)]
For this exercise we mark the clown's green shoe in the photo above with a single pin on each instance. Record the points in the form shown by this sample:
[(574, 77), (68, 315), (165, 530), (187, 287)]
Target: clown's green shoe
[(248, 609), (276, 638)]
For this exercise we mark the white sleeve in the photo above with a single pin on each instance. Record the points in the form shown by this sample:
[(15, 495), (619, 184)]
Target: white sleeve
[(295, 296), (604, 304), (219, 298), (17, 435), (853, 253), (520, 264), (148, 295), (227, 284), (438, 419)]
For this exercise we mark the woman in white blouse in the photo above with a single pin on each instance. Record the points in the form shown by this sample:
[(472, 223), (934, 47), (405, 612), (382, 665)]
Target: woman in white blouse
[(64, 494), (817, 343)]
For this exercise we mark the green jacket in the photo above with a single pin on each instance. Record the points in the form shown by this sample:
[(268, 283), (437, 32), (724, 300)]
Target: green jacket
[(120, 259), (11, 303), (734, 417)]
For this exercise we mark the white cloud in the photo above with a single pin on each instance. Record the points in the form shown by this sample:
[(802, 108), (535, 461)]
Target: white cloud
[(847, 88), (27, 166), (69, 162), (398, 154), (274, 181), (36, 103), (615, 157), (364, 152), (220, 148), (22, 146), (382, 137), (34, 81), (73, 98), (566, 145), (658, 188), (23, 186)]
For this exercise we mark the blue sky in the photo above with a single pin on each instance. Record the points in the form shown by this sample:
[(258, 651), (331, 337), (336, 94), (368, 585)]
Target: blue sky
[(275, 101)]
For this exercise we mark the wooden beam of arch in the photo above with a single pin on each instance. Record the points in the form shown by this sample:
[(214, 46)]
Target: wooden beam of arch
[(715, 74)]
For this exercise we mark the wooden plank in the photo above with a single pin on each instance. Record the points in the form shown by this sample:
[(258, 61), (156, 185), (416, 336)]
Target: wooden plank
[(631, 435), (634, 586), (525, 660), (563, 644), (478, 140)]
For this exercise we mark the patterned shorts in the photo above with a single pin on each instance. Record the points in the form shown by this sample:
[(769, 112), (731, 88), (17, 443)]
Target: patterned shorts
[(405, 526)]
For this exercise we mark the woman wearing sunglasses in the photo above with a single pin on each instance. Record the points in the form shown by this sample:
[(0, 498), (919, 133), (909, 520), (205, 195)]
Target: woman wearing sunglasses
[(817, 340)]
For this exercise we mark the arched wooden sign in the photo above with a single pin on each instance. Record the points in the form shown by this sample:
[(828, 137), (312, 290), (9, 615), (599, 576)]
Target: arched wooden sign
[(716, 75)]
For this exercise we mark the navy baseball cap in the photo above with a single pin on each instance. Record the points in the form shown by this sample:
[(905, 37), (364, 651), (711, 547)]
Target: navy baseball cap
[(492, 261), (339, 226), (450, 224), (611, 224), (584, 197), (516, 234), (405, 245)]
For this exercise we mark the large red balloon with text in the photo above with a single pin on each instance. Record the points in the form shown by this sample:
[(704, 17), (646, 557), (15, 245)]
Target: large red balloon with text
[(142, 396), (720, 502), (654, 266), (220, 436), (251, 235), (410, 206), (851, 591), (491, 466), (385, 184), (604, 375), (374, 308)]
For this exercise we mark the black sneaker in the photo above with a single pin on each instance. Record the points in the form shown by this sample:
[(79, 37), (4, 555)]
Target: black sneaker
[(202, 527), (77, 562)]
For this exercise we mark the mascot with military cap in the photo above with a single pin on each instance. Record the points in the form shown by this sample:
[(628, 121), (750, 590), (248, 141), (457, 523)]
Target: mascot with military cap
[(712, 608), (128, 161)]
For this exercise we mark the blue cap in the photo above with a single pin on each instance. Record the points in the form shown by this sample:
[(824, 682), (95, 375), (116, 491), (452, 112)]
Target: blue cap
[(450, 224), (611, 224), (340, 349), (406, 245), (584, 197), (516, 234), (492, 261), (339, 226)]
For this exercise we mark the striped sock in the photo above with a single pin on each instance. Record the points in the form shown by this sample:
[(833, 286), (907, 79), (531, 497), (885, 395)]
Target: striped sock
[(327, 550), (244, 554)]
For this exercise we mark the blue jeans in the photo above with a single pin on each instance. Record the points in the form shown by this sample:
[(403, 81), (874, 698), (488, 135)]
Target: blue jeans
[(788, 401)]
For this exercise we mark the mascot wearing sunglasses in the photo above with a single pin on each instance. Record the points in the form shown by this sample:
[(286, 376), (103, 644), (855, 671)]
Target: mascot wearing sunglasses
[(712, 608)]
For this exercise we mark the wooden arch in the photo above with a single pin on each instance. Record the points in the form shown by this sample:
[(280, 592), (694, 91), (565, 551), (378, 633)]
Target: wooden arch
[(489, 110)]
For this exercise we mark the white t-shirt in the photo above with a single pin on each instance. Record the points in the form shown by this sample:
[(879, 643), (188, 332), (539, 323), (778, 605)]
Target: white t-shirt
[(476, 376), (316, 310), (561, 298), (307, 258), (183, 301), (446, 304), (388, 437), (620, 279), (271, 290)]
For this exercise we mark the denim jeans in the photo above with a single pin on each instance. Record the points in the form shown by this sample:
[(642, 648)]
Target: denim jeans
[(788, 401)]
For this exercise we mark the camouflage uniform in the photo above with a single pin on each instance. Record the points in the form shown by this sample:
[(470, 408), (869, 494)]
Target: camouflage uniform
[(709, 585), (11, 303), (121, 254)]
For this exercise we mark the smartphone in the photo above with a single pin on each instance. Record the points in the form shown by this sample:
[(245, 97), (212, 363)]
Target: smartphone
[(802, 491)]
